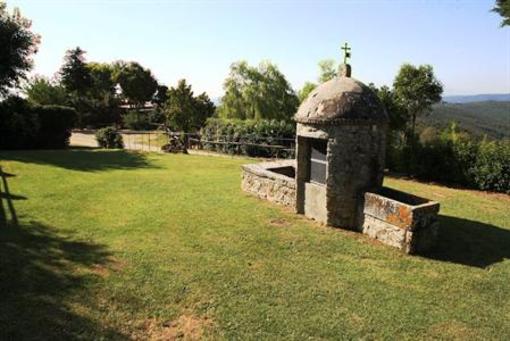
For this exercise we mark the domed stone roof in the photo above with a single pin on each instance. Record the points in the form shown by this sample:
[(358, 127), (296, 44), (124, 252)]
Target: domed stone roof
[(341, 100)]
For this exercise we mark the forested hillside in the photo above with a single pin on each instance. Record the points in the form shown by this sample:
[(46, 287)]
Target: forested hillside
[(489, 118)]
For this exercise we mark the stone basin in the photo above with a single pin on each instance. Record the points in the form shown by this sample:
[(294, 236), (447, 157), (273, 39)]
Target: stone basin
[(401, 220), (273, 181)]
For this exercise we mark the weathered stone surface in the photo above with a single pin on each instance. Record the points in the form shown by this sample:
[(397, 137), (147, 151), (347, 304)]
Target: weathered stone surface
[(315, 205), (339, 100), (263, 181), (400, 219)]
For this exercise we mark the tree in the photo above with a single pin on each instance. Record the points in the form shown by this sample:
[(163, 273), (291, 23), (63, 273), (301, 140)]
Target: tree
[(327, 70), (257, 93), (502, 7), (137, 83), (305, 90), (18, 44), (74, 74), (102, 79), (416, 89), (43, 91), (161, 95), (396, 112), (184, 111)]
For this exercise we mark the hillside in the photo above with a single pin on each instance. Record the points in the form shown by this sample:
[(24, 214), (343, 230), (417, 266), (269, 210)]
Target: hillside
[(491, 118), (477, 98)]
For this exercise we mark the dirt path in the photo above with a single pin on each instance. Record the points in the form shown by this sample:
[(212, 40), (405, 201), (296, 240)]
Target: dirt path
[(131, 141)]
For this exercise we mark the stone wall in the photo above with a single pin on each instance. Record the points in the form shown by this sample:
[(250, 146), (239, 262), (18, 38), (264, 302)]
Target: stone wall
[(355, 159), (264, 181), (400, 220)]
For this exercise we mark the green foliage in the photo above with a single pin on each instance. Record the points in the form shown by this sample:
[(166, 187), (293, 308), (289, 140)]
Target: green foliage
[(491, 170), (136, 120), (102, 79), (55, 123), (305, 91), (41, 90), (18, 44), (257, 93), (416, 89), (137, 83), (454, 157), (396, 112), (245, 137), (157, 116), (502, 7), (74, 74), (24, 126), (161, 95), (184, 111), (19, 124), (109, 138), (327, 70)]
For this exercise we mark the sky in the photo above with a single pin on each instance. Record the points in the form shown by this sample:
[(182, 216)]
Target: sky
[(198, 40)]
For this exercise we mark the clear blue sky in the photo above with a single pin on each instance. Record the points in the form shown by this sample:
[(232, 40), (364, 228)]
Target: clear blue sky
[(198, 40)]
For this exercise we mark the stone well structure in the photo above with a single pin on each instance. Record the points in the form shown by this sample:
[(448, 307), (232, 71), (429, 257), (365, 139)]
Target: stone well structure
[(341, 133), (337, 176)]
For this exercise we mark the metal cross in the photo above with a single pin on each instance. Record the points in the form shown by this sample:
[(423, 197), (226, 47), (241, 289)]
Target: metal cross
[(347, 52)]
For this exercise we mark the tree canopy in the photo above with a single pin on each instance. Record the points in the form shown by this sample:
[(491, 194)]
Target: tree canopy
[(416, 89), (305, 90), (18, 44), (327, 70), (137, 83), (502, 7), (260, 92), (184, 111), (74, 73), (43, 91)]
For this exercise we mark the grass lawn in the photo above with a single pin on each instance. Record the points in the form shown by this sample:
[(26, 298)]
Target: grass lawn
[(112, 244)]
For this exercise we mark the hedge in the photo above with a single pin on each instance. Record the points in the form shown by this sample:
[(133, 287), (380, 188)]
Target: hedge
[(26, 126), (454, 159), (249, 137)]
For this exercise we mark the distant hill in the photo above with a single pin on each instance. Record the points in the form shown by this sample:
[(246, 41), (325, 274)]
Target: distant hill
[(491, 118), (477, 98)]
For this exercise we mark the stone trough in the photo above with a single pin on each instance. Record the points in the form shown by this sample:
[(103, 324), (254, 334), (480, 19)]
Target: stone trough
[(273, 181), (401, 220)]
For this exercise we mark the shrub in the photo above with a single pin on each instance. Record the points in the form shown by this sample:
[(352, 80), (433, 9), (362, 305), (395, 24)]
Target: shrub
[(249, 137), (24, 126), (19, 124), (55, 124), (491, 170), (136, 121), (109, 138), (455, 158)]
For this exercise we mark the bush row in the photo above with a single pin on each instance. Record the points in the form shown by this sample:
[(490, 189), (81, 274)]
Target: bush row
[(26, 126), (455, 159), (249, 137)]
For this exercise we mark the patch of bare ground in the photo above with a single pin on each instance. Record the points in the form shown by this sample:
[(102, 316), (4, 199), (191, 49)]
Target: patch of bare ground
[(185, 327), (452, 330), (279, 222)]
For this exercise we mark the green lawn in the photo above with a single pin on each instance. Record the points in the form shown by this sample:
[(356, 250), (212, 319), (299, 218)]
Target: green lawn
[(112, 244)]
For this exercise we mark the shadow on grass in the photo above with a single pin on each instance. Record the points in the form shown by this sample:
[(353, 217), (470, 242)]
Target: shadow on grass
[(7, 197), (82, 159), (470, 243), (37, 275)]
